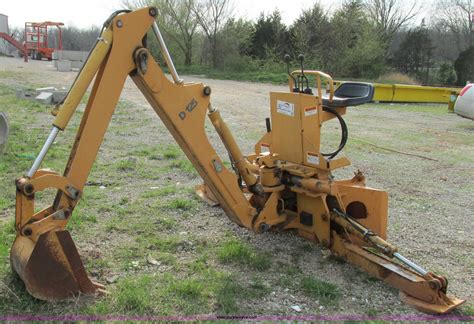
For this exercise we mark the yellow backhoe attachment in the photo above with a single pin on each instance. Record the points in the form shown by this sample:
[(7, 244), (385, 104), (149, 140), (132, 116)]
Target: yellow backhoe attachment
[(286, 184)]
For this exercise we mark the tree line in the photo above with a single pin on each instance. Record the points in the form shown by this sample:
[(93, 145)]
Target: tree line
[(362, 39)]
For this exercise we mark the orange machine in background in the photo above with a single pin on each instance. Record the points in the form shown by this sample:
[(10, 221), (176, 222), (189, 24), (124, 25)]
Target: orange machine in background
[(37, 42)]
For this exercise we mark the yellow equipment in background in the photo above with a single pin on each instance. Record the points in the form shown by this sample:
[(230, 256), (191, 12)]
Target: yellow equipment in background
[(411, 93), (286, 184)]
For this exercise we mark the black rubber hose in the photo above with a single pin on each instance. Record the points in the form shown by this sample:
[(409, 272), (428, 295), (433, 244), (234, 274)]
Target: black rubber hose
[(344, 133)]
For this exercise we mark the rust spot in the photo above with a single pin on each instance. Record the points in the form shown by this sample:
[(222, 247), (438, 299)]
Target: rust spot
[(54, 270)]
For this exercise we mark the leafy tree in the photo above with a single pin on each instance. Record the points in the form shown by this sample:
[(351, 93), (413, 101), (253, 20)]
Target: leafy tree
[(76, 39), (311, 35), (415, 53), (446, 74), (235, 45), (270, 36), (366, 58), (464, 66), (357, 49)]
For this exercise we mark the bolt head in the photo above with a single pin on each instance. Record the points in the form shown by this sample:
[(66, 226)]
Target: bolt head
[(153, 11), (207, 91), (119, 23), (27, 232), (29, 189)]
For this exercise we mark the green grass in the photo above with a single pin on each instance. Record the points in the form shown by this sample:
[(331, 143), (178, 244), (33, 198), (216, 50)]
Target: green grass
[(166, 294), (162, 243), (133, 295), (180, 203), (432, 109), (126, 165), (117, 214), (7, 235), (226, 295), (236, 252), (467, 310), (185, 166), (172, 152), (326, 292), (160, 192), (167, 258), (80, 220), (252, 76)]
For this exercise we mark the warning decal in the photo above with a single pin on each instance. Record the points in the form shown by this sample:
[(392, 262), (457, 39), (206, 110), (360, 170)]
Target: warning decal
[(286, 108), (310, 111), (312, 158)]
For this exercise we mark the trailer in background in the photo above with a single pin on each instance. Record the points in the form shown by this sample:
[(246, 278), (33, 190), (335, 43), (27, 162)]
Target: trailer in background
[(37, 39)]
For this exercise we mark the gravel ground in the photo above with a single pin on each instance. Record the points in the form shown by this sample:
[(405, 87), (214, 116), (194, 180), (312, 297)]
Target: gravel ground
[(431, 202)]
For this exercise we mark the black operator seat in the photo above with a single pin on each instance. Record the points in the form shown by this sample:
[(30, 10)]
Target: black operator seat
[(350, 94)]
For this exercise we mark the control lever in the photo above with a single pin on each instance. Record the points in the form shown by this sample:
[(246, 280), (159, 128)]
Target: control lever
[(307, 90), (287, 59)]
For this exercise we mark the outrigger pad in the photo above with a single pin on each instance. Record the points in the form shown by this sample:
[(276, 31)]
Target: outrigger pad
[(52, 268), (449, 304)]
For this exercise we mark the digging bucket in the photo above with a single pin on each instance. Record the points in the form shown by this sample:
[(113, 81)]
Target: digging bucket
[(51, 268)]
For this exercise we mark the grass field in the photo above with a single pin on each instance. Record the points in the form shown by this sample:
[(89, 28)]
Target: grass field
[(145, 260), (141, 230)]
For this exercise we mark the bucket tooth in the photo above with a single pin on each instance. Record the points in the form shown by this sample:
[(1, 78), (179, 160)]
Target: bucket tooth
[(51, 268)]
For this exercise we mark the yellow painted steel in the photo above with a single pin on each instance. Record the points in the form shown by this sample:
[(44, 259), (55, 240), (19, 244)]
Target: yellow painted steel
[(290, 187), (411, 93), (84, 79)]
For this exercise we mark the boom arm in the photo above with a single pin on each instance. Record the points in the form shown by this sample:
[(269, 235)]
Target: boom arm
[(43, 253)]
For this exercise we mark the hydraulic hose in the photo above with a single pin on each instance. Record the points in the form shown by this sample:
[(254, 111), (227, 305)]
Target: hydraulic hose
[(344, 133)]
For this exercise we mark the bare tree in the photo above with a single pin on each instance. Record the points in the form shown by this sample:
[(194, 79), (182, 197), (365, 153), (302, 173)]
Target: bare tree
[(390, 15), (180, 24), (457, 16), (177, 21), (212, 16)]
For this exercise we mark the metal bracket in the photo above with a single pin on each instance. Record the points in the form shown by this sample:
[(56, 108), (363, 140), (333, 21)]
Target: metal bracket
[(73, 192)]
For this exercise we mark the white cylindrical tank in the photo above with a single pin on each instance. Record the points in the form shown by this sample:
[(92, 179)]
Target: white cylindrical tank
[(3, 29), (464, 105), (3, 23)]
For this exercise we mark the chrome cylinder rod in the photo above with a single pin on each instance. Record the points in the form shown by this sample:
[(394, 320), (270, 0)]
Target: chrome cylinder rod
[(410, 264), (166, 54), (44, 150)]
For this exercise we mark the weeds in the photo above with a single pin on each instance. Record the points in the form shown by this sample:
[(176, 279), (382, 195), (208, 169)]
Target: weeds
[(180, 203), (172, 152), (160, 192), (133, 295), (236, 252), (226, 293), (326, 292), (185, 166), (126, 165)]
